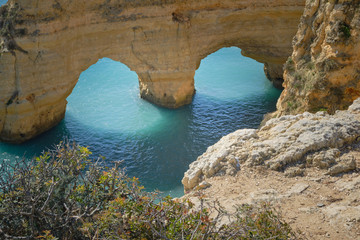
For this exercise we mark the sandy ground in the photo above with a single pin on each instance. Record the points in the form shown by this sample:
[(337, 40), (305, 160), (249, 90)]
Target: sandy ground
[(319, 205)]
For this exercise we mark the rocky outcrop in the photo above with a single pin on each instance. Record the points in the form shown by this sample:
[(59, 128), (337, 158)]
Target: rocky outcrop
[(46, 44), (290, 144), (323, 71)]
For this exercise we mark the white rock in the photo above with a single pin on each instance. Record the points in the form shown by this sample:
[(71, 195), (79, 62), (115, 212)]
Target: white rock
[(283, 142), (297, 189)]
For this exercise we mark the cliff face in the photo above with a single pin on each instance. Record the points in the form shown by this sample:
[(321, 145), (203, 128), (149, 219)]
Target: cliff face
[(315, 155), (46, 44), (323, 71)]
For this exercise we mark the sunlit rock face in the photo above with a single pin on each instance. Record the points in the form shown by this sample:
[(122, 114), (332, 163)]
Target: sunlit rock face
[(46, 44), (323, 71)]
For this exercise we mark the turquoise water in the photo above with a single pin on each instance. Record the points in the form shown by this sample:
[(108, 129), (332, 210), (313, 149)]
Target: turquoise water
[(2, 2), (105, 113)]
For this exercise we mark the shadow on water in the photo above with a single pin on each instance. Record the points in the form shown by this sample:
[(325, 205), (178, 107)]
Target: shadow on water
[(37, 145), (155, 144)]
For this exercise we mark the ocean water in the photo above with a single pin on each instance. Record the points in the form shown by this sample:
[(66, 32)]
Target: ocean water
[(156, 145), (2, 2)]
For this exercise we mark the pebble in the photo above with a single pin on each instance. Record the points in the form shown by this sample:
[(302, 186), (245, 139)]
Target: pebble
[(320, 205)]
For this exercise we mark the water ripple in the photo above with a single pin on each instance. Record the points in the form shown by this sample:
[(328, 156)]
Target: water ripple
[(156, 144)]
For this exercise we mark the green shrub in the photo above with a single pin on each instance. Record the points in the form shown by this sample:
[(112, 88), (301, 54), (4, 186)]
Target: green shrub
[(57, 191), (345, 30), (289, 64), (65, 195), (311, 65), (261, 222)]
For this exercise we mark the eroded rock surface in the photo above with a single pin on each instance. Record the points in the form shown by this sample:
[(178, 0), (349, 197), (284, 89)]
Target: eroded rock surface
[(46, 44), (323, 71), (290, 143), (320, 206)]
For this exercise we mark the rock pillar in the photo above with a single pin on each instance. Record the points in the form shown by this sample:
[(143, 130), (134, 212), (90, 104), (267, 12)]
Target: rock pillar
[(171, 90)]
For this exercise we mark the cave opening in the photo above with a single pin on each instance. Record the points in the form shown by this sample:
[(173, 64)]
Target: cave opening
[(106, 113), (238, 85), (106, 97)]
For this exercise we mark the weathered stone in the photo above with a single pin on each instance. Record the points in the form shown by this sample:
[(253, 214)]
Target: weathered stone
[(297, 189), (162, 41), (209, 165), (323, 159), (342, 214), (343, 185), (294, 172), (266, 195), (285, 143), (322, 73), (203, 185), (343, 166)]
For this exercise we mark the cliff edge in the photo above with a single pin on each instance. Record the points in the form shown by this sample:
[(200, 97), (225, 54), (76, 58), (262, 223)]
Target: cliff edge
[(290, 144), (307, 163)]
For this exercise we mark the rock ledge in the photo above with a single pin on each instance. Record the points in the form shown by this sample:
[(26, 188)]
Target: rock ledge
[(289, 144)]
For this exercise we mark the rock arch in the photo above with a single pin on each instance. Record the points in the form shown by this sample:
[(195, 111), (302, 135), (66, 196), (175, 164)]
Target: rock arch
[(52, 41)]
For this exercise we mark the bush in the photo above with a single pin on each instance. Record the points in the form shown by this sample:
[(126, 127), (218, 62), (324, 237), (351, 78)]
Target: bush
[(64, 195), (57, 191), (289, 64), (345, 30)]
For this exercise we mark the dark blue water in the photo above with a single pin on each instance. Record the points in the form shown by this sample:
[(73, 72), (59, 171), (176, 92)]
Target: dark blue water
[(106, 114)]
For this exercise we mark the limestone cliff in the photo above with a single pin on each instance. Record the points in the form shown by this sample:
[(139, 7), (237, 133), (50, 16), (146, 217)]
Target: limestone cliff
[(323, 71), (46, 44)]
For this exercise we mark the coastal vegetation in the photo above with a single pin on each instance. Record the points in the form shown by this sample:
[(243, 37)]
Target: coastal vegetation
[(64, 194)]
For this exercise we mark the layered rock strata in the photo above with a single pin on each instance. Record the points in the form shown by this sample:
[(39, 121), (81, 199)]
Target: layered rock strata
[(290, 144), (323, 71), (46, 44)]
